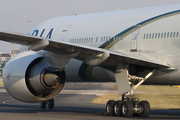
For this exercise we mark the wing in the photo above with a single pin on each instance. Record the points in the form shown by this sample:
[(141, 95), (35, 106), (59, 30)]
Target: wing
[(90, 55)]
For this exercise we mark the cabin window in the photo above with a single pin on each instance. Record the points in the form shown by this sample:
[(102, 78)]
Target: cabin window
[(171, 34), (164, 35), (147, 36), (77, 40), (177, 35), (156, 35), (101, 39), (96, 39), (168, 35), (82, 40), (153, 36), (174, 34), (91, 39), (144, 36), (161, 35)]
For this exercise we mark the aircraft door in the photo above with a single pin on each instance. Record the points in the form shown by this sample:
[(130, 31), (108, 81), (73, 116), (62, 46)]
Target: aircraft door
[(134, 37), (61, 33)]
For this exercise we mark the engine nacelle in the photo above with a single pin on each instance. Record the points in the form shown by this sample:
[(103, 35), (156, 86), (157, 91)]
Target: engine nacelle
[(27, 77)]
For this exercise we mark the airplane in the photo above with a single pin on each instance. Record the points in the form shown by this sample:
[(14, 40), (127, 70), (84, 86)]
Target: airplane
[(130, 47)]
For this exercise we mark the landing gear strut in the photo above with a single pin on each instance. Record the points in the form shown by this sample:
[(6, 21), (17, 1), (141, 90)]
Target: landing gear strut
[(50, 104)]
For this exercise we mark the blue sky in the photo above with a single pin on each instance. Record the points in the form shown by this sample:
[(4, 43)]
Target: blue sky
[(16, 13)]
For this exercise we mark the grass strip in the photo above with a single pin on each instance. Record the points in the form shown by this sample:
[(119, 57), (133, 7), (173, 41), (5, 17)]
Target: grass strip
[(1, 84), (161, 97)]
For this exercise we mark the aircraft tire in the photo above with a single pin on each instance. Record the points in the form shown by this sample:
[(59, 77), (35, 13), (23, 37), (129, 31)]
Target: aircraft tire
[(145, 108), (43, 105), (127, 109), (117, 108), (110, 108), (51, 103)]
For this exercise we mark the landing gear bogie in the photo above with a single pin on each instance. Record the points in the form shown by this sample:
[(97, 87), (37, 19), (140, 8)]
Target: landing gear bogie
[(128, 108)]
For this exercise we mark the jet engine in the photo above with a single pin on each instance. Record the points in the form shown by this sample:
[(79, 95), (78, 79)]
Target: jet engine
[(27, 77)]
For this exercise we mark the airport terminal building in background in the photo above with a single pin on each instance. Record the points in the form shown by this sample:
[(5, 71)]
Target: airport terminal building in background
[(5, 57)]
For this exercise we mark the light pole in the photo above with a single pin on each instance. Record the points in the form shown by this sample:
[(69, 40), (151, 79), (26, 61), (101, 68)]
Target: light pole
[(30, 24), (29, 28)]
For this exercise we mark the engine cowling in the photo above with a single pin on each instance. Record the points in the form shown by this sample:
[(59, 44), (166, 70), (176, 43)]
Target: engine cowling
[(27, 77)]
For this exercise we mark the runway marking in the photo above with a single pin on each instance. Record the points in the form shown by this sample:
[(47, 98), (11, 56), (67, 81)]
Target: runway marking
[(85, 92), (6, 102), (2, 90)]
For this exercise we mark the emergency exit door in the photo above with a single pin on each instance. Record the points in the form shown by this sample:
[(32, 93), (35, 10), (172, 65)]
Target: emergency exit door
[(134, 37)]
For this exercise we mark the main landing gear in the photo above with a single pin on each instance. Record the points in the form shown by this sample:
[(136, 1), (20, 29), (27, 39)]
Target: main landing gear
[(128, 107), (50, 104)]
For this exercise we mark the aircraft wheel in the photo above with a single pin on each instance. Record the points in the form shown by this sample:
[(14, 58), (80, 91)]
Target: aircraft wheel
[(117, 108), (127, 109), (145, 108), (51, 103), (110, 108), (43, 105)]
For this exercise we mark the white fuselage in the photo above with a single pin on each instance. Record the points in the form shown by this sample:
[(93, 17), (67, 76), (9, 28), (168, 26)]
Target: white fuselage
[(157, 36)]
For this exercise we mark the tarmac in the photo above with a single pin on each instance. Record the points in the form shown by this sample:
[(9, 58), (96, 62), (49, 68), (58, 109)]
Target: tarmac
[(73, 103)]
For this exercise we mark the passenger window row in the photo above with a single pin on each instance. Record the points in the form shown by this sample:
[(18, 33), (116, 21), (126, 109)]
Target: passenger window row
[(161, 35), (89, 40)]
